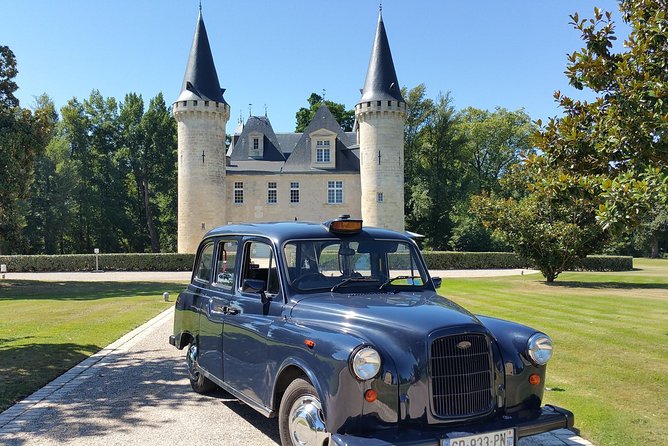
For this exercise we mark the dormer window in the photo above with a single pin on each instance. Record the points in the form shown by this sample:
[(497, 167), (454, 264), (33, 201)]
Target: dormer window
[(256, 145), (323, 149)]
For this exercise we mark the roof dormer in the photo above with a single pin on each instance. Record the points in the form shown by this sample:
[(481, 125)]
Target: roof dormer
[(323, 149)]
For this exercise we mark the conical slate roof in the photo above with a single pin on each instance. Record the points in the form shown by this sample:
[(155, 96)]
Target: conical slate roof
[(381, 79), (201, 79)]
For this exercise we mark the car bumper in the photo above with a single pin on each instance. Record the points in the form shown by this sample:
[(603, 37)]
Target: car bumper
[(549, 418)]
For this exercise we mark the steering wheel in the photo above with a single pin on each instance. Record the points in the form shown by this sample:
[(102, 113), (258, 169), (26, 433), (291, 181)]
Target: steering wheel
[(307, 276)]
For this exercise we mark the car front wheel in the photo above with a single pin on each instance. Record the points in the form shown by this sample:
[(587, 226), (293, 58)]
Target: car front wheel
[(300, 419), (199, 382)]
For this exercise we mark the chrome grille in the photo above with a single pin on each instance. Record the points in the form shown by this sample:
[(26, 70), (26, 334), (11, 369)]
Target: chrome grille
[(461, 375)]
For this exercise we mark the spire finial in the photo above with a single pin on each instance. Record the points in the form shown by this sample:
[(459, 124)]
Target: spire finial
[(200, 6), (250, 110), (265, 110), (380, 7)]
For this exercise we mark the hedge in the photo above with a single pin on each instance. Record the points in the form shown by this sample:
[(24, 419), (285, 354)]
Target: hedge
[(107, 262), (436, 260)]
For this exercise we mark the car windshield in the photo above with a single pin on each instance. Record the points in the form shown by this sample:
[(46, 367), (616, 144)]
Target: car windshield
[(352, 264)]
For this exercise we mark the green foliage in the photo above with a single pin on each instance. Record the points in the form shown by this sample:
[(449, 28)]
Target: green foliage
[(554, 226), (23, 136), (107, 262), (345, 118), (435, 175), (106, 180), (8, 72), (604, 263), (443, 260), (494, 142), (619, 139)]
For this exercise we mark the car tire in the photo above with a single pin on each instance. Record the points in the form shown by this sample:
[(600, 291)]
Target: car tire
[(300, 417), (199, 382)]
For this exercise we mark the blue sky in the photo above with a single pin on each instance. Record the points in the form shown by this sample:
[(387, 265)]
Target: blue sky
[(509, 54)]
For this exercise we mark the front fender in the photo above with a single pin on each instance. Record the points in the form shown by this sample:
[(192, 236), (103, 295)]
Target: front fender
[(512, 341)]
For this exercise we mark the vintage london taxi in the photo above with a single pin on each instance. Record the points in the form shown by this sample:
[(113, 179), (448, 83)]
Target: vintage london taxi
[(337, 329)]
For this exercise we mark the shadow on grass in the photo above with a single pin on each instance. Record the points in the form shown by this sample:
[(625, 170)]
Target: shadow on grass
[(36, 290), (132, 392), (608, 285), (26, 368)]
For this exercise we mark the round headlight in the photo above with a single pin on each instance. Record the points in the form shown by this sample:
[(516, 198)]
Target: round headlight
[(539, 348), (366, 363)]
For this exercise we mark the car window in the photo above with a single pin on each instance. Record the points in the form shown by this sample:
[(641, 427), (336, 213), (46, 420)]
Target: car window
[(203, 269), (367, 263), (260, 264), (225, 264)]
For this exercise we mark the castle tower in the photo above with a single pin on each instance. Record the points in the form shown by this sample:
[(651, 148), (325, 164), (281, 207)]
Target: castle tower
[(380, 115), (202, 114)]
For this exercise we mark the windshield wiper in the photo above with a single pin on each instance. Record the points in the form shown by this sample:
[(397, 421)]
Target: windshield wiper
[(389, 281), (352, 280)]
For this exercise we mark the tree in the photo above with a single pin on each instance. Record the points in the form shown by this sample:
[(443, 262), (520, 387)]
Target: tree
[(494, 141), (345, 118), (8, 72), (620, 138), (23, 136), (552, 222), (435, 171), (150, 141)]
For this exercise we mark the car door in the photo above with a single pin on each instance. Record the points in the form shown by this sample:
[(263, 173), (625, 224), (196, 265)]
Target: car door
[(256, 307), (219, 293)]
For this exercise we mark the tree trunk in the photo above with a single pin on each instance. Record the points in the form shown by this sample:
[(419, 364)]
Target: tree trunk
[(155, 242), (655, 248)]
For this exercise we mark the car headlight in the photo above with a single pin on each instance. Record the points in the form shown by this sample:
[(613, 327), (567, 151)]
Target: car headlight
[(365, 363), (539, 348)]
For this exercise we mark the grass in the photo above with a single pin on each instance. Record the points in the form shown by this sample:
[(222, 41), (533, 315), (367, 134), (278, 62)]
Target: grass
[(610, 332), (46, 328)]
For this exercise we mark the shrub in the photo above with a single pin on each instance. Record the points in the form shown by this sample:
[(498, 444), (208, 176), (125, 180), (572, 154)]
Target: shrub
[(107, 262)]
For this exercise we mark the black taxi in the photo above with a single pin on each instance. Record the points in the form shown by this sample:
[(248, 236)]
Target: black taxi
[(337, 329)]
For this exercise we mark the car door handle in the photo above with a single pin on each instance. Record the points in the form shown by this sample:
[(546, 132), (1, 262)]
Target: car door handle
[(231, 310)]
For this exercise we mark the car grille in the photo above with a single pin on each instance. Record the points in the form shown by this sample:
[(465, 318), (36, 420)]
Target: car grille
[(461, 375)]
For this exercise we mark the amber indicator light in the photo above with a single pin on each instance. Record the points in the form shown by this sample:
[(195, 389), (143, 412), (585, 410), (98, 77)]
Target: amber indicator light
[(371, 395), (309, 343), (534, 379), (346, 226)]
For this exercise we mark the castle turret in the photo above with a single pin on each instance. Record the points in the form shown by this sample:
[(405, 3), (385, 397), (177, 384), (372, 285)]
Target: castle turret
[(202, 114), (380, 115)]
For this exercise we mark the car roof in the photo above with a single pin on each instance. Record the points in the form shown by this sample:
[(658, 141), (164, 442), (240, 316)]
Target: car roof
[(290, 230)]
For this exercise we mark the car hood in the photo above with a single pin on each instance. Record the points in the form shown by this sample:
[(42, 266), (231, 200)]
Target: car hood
[(402, 314)]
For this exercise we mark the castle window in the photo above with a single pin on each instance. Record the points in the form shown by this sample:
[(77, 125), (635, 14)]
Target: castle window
[(256, 146), (322, 152), (335, 192), (379, 197), (272, 192), (379, 103), (294, 192), (238, 192)]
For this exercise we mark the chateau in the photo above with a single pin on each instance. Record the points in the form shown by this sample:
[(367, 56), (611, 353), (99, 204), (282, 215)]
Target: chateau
[(266, 176)]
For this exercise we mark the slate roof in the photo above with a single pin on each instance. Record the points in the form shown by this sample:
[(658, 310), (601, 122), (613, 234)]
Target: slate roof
[(291, 152), (300, 158), (201, 80), (381, 82), (272, 148)]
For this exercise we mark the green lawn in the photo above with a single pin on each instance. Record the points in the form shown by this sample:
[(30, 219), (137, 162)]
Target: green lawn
[(610, 330), (46, 328)]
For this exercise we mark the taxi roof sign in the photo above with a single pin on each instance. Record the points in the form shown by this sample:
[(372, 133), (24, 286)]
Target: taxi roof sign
[(344, 225)]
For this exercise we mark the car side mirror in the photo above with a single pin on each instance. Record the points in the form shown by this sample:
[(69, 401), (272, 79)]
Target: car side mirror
[(437, 281)]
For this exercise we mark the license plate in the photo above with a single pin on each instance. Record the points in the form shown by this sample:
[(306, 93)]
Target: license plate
[(497, 438)]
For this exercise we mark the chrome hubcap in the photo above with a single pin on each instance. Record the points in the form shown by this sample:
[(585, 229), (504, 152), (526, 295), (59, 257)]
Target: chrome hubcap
[(307, 427), (191, 361)]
